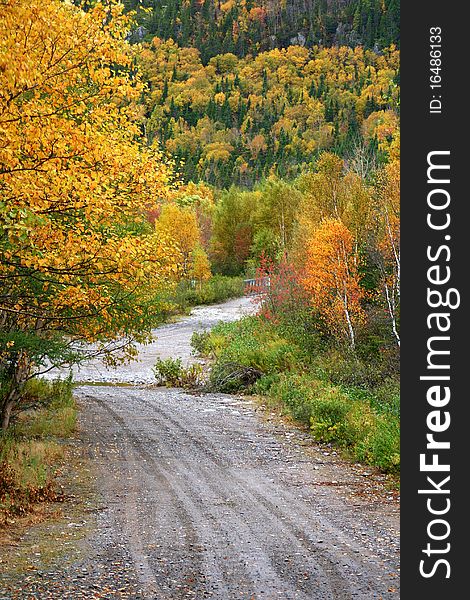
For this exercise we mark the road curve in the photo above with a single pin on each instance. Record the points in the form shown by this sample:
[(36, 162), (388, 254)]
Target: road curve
[(170, 340)]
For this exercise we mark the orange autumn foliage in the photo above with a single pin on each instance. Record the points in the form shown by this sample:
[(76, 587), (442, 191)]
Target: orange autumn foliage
[(332, 280)]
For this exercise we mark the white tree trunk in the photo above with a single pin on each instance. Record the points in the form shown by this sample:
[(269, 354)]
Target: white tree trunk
[(352, 337), (391, 312)]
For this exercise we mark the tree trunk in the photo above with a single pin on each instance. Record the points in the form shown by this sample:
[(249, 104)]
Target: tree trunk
[(391, 312), (19, 373), (352, 337), (7, 407)]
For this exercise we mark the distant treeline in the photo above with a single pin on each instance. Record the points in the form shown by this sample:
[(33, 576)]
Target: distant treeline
[(250, 26)]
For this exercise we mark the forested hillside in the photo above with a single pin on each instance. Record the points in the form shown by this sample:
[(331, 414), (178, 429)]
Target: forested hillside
[(250, 26), (236, 120)]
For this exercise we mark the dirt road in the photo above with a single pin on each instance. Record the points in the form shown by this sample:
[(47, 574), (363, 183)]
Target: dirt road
[(171, 340), (207, 496)]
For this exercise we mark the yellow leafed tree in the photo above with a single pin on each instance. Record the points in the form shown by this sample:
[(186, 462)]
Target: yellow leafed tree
[(78, 259), (201, 269), (180, 225)]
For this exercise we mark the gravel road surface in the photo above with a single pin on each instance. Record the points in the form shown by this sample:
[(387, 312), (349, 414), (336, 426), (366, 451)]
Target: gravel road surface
[(209, 496), (169, 341)]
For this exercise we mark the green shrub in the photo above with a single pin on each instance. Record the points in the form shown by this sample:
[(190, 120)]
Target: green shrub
[(386, 397), (171, 373), (264, 384), (329, 416), (382, 446), (218, 288), (57, 393), (385, 444), (252, 342), (333, 414), (246, 351), (291, 393), (201, 343), (314, 403), (358, 424)]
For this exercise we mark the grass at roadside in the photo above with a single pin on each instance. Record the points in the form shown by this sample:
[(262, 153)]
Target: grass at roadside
[(218, 288), (340, 398), (32, 449)]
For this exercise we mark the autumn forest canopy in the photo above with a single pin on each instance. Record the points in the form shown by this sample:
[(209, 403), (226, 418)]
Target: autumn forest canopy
[(244, 27), (236, 121), (150, 149)]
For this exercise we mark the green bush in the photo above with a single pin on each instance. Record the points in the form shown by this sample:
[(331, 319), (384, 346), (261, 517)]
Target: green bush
[(171, 373), (264, 384), (334, 416), (291, 393), (245, 351), (386, 397), (382, 446), (218, 288), (57, 393), (330, 411), (201, 343), (360, 421), (255, 343), (321, 407)]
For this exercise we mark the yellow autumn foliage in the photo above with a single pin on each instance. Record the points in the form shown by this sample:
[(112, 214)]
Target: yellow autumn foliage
[(78, 258)]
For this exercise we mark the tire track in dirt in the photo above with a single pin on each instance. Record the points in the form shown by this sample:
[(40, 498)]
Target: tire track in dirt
[(249, 537), (193, 515), (277, 581), (261, 504), (186, 512), (259, 490)]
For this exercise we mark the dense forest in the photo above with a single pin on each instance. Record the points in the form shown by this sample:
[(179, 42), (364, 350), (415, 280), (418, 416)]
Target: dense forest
[(236, 121), (245, 27)]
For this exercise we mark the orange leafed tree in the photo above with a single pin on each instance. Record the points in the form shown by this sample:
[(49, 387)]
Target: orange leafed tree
[(332, 279), (78, 259)]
